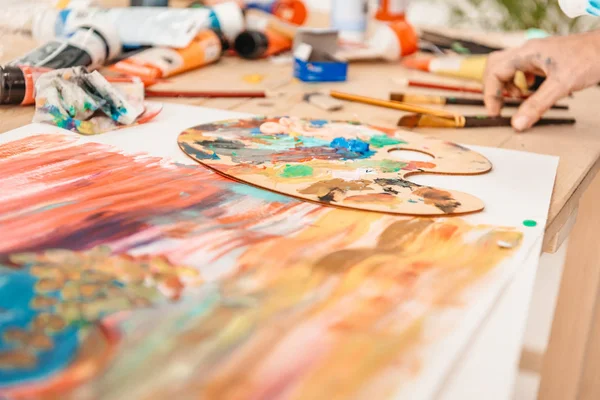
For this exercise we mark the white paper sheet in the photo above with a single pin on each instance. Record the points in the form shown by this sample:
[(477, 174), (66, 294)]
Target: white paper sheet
[(518, 188)]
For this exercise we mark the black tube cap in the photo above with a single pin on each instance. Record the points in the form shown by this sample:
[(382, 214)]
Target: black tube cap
[(225, 45), (251, 44), (12, 85)]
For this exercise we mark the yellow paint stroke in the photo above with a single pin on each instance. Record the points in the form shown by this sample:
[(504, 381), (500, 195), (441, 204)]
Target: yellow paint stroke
[(327, 324)]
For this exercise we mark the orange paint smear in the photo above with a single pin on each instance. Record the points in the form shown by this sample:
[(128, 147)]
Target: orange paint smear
[(113, 187)]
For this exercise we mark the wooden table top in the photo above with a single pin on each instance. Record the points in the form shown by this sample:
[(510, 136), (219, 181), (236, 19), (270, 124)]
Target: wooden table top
[(577, 146)]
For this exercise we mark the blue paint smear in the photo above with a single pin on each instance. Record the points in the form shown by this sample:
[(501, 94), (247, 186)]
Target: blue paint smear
[(313, 142), (255, 131), (247, 190), (593, 11), (319, 123), (283, 141), (16, 293), (354, 145)]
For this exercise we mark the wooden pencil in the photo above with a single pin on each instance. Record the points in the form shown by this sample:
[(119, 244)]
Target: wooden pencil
[(190, 94), (391, 104)]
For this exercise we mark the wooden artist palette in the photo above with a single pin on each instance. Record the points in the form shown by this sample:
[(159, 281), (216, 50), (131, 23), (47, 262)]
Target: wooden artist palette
[(336, 163)]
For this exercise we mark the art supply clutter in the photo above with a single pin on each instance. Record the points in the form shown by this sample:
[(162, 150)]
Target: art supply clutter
[(130, 271), (180, 40)]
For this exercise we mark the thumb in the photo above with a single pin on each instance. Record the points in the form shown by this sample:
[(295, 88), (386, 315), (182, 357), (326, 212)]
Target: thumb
[(537, 104)]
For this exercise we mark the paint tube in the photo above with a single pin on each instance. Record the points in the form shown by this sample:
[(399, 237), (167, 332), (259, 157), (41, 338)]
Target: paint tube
[(465, 67), (349, 17), (256, 44), (151, 26), (257, 20), (149, 3), (89, 46), (578, 8), (62, 4), (17, 16), (161, 62), (292, 11), (391, 42), (17, 84), (392, 10)]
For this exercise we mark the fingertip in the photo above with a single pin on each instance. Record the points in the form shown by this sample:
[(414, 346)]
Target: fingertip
[(493, 108), (521, 123)]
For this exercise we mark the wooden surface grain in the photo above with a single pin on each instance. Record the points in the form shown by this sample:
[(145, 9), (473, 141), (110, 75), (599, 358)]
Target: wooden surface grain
[(577, 146), (570, 365)]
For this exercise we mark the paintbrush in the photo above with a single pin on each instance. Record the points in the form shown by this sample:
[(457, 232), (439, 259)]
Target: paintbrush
[(459, 101), (459, 45), (477, 121), (189, 94), (391, 104)]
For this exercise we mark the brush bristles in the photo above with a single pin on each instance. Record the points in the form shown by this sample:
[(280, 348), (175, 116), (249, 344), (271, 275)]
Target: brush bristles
[(410, 121)]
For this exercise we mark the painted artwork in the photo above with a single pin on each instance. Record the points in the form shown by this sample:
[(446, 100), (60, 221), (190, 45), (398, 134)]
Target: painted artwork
[(131, 277), (336, 163)]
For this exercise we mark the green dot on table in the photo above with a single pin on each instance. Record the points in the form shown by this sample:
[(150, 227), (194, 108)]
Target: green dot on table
[(530, 223)]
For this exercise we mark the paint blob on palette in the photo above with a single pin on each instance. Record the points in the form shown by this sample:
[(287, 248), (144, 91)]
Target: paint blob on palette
[(337, 163)]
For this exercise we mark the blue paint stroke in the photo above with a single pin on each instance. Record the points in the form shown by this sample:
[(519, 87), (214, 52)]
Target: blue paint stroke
[(16, 293), (261, 194), (354, 145)]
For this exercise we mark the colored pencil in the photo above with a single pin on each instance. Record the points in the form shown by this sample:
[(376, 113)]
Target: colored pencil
[(458, 101), (189, 94), (429, 121), (391, 104)]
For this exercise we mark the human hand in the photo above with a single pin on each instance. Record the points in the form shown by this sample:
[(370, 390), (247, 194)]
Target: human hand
[(570, 63)]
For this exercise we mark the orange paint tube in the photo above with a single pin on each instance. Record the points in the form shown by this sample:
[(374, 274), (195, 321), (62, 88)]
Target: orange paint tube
[(161, 62), (256, 44), (292, 11), (392, 10), (17, 84)]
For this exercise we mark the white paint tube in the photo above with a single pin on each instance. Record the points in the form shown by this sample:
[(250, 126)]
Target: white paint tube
[(145, 26), (349, 17), (88, 46), (390, 42)]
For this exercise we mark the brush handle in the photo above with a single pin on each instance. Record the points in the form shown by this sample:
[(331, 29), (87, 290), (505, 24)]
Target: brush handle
[(448, 43), (188, 94), (483, 121), (458, 101), (396, 105), (507, 103), (517, 104)]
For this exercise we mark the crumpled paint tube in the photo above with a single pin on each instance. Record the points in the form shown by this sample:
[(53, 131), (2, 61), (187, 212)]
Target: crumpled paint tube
[(84, 102)]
